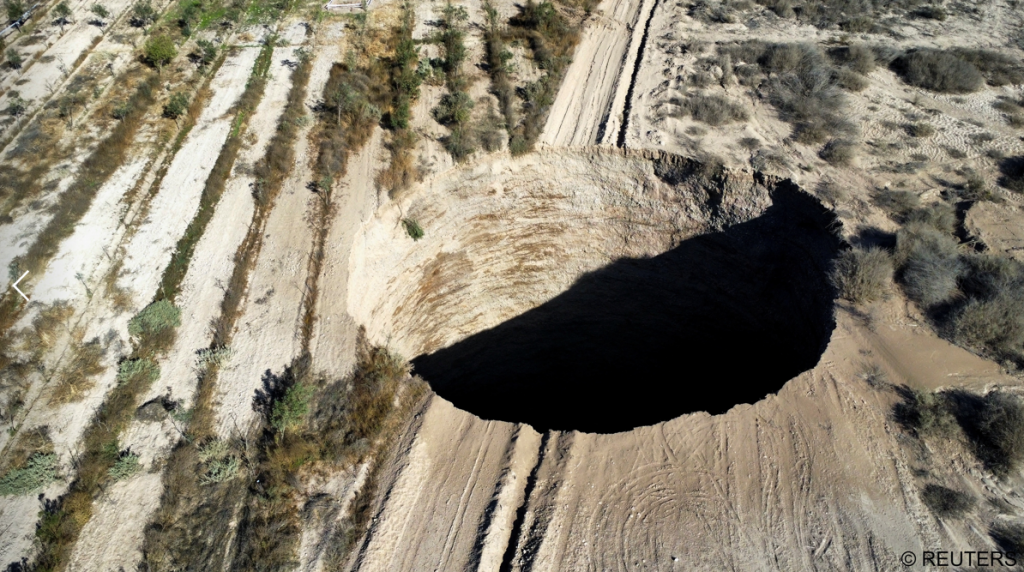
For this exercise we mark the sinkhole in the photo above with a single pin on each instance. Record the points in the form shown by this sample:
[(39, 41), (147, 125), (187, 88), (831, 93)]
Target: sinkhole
[(585, 311)]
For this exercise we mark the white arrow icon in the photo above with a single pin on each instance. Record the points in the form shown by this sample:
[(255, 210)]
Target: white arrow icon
[(15, 286)]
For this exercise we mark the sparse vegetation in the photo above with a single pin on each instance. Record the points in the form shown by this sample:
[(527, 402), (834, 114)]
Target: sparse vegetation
[(412, 228), (802, 84), (61, 13), (143, 14), (863, 275), (946, 502), (920, 129), (710, 109), (839, 152), (897, 204), (38, 471), (71, 382), (14, 59)]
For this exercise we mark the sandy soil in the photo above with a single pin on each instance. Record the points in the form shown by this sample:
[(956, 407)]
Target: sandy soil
[(67, 422), (588, 109), (266, 338), (334, 337)]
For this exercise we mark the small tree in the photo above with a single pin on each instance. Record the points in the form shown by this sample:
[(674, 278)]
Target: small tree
[(206, 53), (15, 8), (143, 14), (14, 59), (159, 50), (177, 106), (62, 13), (100, 11)]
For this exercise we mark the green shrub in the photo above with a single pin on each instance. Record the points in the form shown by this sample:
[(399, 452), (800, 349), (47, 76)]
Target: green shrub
[(946, 502), (412, 228), (121, 110), (16, 106), (929, 264), (14, 59), (15, 8), (863, 275), (938, 70), (100, 11), (155, 319), (140, 369), (454, 108), (159, 50), (39, 471), (206, 53), (992, 318), (62, 12), (126, 466), (176, 106), (290, 410), (213, 356), (221, 463)]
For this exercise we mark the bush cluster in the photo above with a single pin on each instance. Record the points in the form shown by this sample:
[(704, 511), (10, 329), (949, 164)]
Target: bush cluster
[(39, 471), (863, 274), (710, 109), (946, 502)]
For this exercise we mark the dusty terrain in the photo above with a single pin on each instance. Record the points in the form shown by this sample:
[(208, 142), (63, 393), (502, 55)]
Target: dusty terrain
[(633, 355)]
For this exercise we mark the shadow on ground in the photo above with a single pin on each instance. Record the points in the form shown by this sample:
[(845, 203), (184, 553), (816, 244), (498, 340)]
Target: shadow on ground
[(722, 319)]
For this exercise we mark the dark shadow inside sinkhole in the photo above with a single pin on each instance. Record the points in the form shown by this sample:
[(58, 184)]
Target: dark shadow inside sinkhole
[(722, 319)]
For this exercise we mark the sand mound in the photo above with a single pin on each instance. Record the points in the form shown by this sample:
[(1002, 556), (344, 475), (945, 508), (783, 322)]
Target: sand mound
[(545, 285)]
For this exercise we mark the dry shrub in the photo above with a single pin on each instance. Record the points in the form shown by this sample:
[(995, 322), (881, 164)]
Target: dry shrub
[(897, 204), (919, 129), (940, 216), (1009, 536), (997, 68), (929, 264), (851, 80), (839, 152), (992, 319), (1012, 170), (994, 427), (938, 70), (946, 502), (863, 275), (49, 322), (713, 110), (77, 376), (926, 413)]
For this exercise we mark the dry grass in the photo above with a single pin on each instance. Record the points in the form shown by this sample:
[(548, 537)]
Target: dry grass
[(95, 170), (214, 188), (77, 376)]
